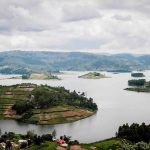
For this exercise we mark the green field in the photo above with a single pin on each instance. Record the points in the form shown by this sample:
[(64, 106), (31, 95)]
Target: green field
[(109, 144), (44, 146)]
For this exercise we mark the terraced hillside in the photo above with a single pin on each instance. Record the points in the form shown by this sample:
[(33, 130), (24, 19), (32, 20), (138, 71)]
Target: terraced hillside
[(9, 95), (43, 104)]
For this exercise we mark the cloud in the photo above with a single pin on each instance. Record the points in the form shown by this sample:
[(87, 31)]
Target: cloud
[(85, 25)]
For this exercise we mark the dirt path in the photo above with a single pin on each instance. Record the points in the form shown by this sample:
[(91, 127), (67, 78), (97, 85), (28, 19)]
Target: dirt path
[(61, 148), (74, 147)]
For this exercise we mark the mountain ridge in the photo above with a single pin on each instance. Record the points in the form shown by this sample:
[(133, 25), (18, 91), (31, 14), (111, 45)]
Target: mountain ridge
[(22, 62)]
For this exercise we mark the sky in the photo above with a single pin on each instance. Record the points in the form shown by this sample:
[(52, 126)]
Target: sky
[(114, 26)]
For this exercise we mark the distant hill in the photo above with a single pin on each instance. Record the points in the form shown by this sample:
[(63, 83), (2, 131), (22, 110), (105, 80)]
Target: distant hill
[(24, 62)]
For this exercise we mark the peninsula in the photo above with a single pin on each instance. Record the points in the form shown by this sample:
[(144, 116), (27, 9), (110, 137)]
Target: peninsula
[(43, 104)]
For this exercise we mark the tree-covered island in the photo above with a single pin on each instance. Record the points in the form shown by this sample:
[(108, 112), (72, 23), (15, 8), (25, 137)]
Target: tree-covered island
[(140, 85), (44, 104), (137, 74)]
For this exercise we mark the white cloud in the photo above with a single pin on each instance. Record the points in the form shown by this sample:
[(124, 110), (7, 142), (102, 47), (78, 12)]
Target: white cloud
[(86, 25)]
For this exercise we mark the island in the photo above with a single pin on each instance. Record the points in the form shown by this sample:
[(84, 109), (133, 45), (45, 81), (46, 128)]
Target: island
[(119, 71), (140, 85), (36, 76), (137, 74), (40, 76), (43, 104), (93, 75)]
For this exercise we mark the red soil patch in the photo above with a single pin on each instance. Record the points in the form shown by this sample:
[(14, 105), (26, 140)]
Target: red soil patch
[(75, 113)]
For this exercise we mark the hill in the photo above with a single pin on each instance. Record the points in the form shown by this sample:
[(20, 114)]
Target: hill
[(24, 62)]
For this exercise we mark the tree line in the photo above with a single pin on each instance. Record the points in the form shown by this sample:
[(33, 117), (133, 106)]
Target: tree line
[(134, 132), (139, 82)]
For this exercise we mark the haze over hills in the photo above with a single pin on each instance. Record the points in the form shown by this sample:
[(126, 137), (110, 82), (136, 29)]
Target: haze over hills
[(22, 62)]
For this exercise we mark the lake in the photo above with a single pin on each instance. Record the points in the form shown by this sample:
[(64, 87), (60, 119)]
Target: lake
[(116, 106)]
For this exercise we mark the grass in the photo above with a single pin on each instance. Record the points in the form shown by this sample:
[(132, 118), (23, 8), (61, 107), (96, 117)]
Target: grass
[(112, 144), (44, 146)]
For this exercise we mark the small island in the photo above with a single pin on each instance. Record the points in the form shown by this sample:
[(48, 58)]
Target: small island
[(137, 74), (119, 71), (40, 76), (140, 85), (93, 75), (43, 104)]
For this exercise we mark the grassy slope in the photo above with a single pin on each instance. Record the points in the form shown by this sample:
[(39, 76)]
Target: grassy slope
[(112, 144), (58, 114), (44, 146)]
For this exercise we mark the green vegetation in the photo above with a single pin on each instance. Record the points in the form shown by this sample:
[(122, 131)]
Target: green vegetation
[(93, 75), (112, 144), (134, 132), (39, 76), (44, 146), (138, 74), (116, 144), (133, 137), (44, 104)]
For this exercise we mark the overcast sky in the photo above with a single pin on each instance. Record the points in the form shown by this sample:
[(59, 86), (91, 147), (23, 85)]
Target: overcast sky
[(75, 25)]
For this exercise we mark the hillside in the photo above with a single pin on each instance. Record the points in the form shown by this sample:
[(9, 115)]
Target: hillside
[(23, 62), (43, 104)]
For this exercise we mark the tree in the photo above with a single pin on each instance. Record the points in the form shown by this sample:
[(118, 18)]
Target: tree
[(54, 133)]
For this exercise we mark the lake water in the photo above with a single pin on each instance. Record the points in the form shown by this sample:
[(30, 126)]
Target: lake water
[(116, 106)]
